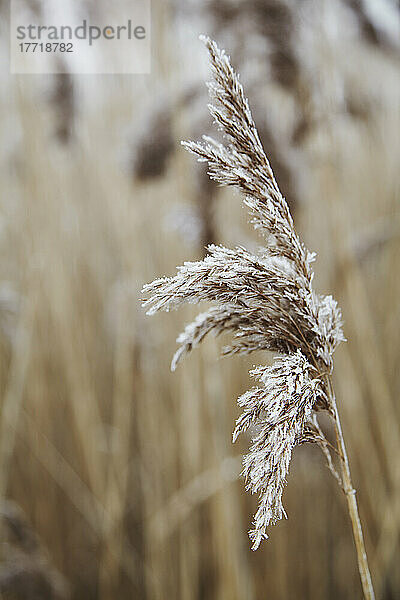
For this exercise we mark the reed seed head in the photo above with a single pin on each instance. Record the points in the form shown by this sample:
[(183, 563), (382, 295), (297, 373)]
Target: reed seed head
[(266, 300)]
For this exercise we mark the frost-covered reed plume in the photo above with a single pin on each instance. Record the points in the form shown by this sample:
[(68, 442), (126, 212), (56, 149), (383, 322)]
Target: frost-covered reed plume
[(267, 301)]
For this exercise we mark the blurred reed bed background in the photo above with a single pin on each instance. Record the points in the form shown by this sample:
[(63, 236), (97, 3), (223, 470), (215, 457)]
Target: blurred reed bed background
[(118, 479)]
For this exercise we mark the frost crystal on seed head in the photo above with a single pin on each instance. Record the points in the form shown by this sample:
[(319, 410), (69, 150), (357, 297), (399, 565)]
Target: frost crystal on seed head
[(266, 300), (282, 408)]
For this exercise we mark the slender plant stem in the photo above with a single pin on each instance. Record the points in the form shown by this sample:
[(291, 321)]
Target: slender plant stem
[(350, 492)]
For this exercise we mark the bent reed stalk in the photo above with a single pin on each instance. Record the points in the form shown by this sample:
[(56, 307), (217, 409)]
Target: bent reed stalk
[(267, 301)]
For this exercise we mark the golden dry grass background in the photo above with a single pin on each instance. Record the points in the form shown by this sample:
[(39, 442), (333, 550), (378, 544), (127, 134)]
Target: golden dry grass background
[(125, 473)]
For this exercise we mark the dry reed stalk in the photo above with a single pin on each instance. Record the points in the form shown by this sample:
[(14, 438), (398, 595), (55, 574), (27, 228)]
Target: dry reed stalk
[(386, 428), (86, 503), (267, 300), (13, 397), (117, 477)]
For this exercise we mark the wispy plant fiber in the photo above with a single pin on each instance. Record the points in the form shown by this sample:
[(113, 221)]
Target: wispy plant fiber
[(266, 300)]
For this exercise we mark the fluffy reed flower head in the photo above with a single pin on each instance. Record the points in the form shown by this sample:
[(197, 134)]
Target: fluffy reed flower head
[(266, 301)]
